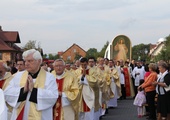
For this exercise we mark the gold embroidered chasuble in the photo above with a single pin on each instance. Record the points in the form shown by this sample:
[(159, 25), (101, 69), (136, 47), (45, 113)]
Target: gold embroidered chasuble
[(39, 83), (115, 75), (95, 86), (69, 85), (87, 94), (7, 78), (103, 82)]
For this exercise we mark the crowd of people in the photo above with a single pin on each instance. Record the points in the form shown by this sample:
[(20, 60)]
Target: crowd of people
[(84, 90)]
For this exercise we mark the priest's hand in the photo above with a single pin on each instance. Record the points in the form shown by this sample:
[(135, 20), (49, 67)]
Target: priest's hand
[(84, 72), (154, 83), (137, 73), (31, 83), (26, 87), (122, 71), (139, 87)]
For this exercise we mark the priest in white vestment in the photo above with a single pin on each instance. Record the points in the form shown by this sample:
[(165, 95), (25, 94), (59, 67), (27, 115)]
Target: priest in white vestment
[(114, 85), (33, 93), (87, 78), (96, 88), (138, 74), (66, 107), (3, 108), (5, 78)]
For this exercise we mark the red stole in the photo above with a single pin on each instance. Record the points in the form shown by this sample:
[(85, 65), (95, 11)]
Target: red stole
[(101, 67), (87, 71), (58, 105), (127, 81), (21, 114), (1, 83), (85, 107)]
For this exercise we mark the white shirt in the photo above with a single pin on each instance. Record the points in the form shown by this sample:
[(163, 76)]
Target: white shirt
[(159, 89), (141, 72), (46, 98), (3, 108), (64, 98)]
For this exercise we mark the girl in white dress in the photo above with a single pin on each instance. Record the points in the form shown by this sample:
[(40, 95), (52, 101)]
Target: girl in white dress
[(140, 99)]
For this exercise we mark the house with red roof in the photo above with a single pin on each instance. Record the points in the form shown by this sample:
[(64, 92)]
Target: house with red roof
[(9, 51), (156, 48), (71, 52)]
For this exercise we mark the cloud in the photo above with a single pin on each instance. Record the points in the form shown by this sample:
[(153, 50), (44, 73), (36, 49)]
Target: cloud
[(128, 23), (85, 5), (57, 24)]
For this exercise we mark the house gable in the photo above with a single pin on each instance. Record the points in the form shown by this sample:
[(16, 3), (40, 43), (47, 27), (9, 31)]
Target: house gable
[(71, 52), (157, 49), (10, 36), (5, 47), (8, 49)]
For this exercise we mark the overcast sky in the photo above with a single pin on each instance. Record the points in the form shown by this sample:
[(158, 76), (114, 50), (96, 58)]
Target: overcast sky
[(57, 24)]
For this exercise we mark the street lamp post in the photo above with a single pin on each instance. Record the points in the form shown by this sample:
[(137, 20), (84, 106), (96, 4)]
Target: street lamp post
[(146, 53), (138, 57)]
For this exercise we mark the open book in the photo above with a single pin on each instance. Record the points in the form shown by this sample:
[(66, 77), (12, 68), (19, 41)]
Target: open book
[(167, 88)]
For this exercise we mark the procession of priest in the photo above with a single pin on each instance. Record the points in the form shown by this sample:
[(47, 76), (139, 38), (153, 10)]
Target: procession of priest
[(84, 90)]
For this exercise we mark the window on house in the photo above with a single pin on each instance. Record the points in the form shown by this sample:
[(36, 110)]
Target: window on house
[(69, 58), (74, 51)]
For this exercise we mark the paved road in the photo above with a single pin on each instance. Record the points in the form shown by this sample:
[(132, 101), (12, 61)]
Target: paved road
[(125, 111)]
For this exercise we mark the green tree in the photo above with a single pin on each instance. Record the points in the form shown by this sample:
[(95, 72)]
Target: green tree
[(102, 52), (92, 52), (77, 56), (45, 56), (31, 44), (53, 57), (160, 56), (140, 52)]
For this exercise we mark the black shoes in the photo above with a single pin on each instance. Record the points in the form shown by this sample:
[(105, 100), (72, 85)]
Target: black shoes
[(107, 111)]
